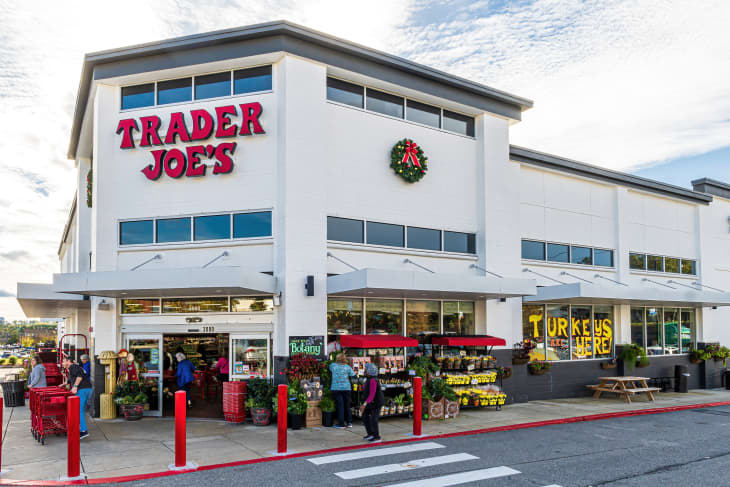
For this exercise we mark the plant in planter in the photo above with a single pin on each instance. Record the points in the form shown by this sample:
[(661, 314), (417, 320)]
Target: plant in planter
[(400, 402), (424, 366), (260, 392), (539, 367), (634, 355), (699, 356), (302, 366), (438, 395), (327, 404), (717, 352), (521, 351), (504, 372), (609, 364), (131, 398), (296, 407)]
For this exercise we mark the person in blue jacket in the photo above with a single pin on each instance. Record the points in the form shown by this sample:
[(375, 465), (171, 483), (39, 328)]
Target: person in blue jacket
[(184, 374)]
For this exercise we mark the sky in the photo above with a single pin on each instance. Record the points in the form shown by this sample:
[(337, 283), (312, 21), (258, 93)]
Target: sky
[(635, 85)]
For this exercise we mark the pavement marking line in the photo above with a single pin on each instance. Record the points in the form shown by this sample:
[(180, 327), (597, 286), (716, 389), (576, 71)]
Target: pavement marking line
[(371, 452), (401, 467), (461, 478)]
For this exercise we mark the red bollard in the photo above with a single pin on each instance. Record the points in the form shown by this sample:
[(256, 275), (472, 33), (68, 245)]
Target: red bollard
[(181, 402), (72, 435), (417, 415), (282, 398)]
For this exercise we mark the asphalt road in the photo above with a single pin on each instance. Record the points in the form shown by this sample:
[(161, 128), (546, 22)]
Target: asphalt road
[(670, 449)]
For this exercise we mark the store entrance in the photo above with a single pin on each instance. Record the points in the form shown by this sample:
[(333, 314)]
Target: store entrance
[(207, 390)]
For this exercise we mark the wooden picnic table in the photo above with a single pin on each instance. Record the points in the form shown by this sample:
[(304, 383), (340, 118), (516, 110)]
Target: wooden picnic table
[(625, 386)]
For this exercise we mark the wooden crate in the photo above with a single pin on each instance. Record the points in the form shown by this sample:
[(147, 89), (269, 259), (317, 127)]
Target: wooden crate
[(314, 414), (451, 408), (435, 410)]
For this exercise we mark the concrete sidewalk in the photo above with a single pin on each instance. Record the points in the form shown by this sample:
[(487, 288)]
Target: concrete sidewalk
[(118, 447)]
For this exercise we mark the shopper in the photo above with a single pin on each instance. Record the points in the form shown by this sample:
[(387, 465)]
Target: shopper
[(185, 375), (86, 365), (341, 390), (80, 385), (37, 373), (223, 367), (374, 400)]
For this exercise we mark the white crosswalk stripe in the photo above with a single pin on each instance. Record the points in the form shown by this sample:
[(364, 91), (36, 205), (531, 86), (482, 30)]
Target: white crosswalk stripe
[(400, 467), (460, 478), (373, 452)]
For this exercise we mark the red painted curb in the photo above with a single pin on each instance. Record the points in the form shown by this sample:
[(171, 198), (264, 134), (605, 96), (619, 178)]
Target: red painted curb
[(534, 424)]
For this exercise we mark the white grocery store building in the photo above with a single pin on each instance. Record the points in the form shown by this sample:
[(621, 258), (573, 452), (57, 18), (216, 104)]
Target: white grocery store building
[(240, 186)]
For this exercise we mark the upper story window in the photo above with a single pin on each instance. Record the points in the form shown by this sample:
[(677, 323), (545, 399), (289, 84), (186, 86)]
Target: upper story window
[(201, 87), (174, 91), (359, 231), (218, 304), (565, 253), (196, 228), (660, 263), (398, 106)]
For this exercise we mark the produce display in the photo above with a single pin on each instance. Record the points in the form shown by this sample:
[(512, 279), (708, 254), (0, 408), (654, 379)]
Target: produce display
[(394, 381)]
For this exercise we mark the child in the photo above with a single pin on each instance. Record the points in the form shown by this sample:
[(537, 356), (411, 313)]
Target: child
[(374, 400)]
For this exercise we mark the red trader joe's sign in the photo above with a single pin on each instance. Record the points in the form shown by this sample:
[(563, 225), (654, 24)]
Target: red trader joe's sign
[(189, 161)]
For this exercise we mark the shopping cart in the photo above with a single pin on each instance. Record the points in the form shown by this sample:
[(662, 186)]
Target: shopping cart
[(48, 412)]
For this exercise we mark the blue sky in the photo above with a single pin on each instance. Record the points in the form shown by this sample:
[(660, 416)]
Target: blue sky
[(631, 85)]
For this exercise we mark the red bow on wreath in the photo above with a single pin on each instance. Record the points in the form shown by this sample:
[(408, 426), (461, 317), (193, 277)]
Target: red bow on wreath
[(411, 153)]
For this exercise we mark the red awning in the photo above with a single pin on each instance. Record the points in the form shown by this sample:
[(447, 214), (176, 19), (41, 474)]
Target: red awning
[(376, 341), (470, 341)]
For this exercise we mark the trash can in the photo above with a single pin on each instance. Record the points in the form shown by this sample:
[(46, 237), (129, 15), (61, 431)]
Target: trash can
[(681, 377), (13, 393), (727, 379)]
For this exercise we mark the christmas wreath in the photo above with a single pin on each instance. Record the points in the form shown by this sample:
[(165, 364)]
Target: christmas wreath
[(408, 161)]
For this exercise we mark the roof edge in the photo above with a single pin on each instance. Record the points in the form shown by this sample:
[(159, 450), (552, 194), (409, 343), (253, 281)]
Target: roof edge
[(67, 227), (542, 159)]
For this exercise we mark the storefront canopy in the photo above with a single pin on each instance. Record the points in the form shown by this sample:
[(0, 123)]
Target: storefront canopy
[(174, 282), (376, 341), (424, 285), (648, 294), (470, 341), (39, 301)]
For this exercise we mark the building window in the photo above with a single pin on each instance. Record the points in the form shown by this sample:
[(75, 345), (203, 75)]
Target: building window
[(195, 305), (385, 103), (603, 257), (533, 328), (533, 250), (252, 80), (668, 330), (250, 358), (671, 265), (558, 252), (603, 331), (174, 91), (214, 227), (654, 263), (654, 336), (464, 243), (343, 92), (637, 261), (637, 327), (140, 306), (689, 267), (213, 85), (138, 96), (173, 230), (383, 317), (250, 225), (422, 113), (671, 331), (345, 230), (581, 255), (461, 124), (385, 234), (424, 238), (423, 319), (136, 232), (459, 318), (686, 326), (344, 317), (252, 304), (557, 332)]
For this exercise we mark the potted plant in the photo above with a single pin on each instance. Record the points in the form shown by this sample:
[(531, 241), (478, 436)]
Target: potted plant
[(634, 355), (609, 364), (131, 398), (423, 366), (521, 351), (438, 396), (260, 393), (539, 367), (717, 352), (327, 404), (296, 407), (400, 402), (699, 356), (504, 372)]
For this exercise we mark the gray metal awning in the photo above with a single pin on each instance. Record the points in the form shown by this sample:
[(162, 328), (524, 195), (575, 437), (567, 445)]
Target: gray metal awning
[(40, 301), (584, 293), (423, 285), (174, 282)]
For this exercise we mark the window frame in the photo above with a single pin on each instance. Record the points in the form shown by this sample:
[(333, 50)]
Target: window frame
[(662, 326), (664, 258), (230, 298)]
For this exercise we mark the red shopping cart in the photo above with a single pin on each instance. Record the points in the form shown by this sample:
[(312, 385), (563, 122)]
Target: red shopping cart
[(48, 412)]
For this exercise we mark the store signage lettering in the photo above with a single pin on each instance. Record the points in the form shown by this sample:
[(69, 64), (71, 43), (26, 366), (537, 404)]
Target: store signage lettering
[(308, 345), (189, 161), (557, 334)]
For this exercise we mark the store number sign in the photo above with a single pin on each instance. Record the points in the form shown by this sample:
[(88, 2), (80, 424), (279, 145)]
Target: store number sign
[(228, 121)]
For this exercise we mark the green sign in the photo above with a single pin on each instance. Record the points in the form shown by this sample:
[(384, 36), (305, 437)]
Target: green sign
[(308, 345)]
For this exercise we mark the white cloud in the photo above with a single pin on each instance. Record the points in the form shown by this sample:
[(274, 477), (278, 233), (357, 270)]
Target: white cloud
[(615, 82)]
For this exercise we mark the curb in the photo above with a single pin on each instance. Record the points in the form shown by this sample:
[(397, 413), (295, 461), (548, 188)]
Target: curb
[(534, 424)]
